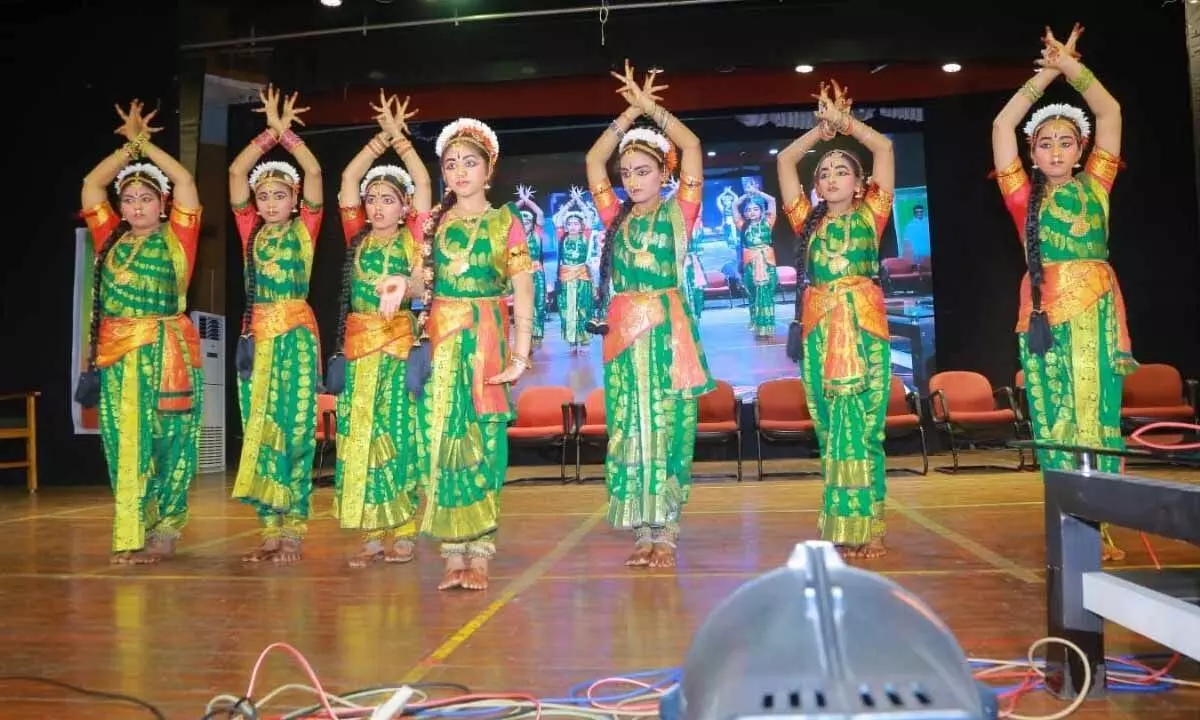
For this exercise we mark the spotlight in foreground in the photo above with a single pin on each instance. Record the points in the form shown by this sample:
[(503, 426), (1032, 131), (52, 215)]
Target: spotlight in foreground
[(820, 639)]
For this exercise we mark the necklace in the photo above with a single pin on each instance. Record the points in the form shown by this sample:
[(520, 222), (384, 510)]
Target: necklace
[(266, 251), (838, 262), (121, 273), (369, 277), (460, 259), (1078, 220), (642, 257)]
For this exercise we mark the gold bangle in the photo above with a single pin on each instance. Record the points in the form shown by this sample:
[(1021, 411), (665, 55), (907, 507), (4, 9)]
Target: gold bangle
[(1083, 82), (1031, 91)]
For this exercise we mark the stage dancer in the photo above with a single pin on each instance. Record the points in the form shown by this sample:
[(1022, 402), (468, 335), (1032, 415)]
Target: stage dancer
[(473, 251), (846, 363), (534, 221), (143, 352), (754, 214), (1071, 328), (278, 358), (383, 209), (654, 366), (575, 289)]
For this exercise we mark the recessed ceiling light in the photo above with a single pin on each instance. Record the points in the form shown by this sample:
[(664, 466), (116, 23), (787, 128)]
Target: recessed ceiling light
[(804, 68), (952, 67), (331, 3), (712, 153), (773, 151)]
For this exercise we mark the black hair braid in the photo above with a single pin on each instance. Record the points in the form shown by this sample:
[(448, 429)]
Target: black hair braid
[(1040, 338), (97, 272), (348, 286), (606, 255), (251, 280), (436, 215), (815, 216)]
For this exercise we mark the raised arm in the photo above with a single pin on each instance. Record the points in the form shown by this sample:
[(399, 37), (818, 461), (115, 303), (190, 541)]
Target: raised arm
[(606, 145), (787, 162), (397, 126), (185, 195), (1004, 127), (314, 189), (1062, 58), (96, 182), (771, 207), (239, 169), (691, 159)]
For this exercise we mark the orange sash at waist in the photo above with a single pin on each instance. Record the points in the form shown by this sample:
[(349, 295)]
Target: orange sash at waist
[(567, 273), (272, 319), (632, 314), (121, 336), (369, 333), (852, 304), (760, 257), (1071, 288), (488, 317)]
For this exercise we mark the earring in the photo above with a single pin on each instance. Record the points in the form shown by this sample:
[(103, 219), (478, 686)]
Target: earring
[(858, 193)]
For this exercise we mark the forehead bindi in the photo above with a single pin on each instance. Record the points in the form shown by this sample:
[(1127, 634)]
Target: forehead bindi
[(461, 153)]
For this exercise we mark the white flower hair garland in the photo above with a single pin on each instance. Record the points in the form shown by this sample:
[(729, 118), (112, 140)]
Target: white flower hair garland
[(151, 171), (648, 137), (273, 167), (1063, 110), (468, 126), (392, 171)]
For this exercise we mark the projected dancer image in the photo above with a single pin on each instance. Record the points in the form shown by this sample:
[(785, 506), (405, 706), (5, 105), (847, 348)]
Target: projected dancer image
[(846, 363), (754, 213), (473, 252), (277, 357), (1072, 335), (143, 351), (534, 222), (383, 209), (654, 366), (575, 293)]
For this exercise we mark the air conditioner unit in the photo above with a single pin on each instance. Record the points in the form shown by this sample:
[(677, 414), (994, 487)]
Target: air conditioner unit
[(212, 425)]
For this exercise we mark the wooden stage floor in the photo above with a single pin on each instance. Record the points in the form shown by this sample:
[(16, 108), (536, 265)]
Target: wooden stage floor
[(561, 610)]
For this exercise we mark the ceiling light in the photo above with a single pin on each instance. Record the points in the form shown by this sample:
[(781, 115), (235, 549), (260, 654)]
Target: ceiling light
[(773, 151), (804, 68), (952, 67), (331, 3), (712, 153)]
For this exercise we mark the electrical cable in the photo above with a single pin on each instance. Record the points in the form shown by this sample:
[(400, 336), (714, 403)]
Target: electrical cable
[(114, 697), (1138, 436)]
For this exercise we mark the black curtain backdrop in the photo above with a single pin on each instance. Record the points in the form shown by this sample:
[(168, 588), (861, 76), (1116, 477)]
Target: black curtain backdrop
[(65, 67)]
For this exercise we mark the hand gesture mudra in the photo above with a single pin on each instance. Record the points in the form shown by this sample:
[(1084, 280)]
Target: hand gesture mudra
[(524, 193), (577, 194), (133, 122), (641, 96), (832, 111), (270, 107), (1055, 51), (391, 295), (291, 113)]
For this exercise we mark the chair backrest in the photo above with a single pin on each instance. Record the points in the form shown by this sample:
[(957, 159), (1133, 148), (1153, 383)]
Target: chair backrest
[(594, 411), (714, 279), (1019, 380), (898, 399), (541, 405), (716, 405), (326, 403), (965, 391), (782, 399), (1152, 385), (897, 265), (786, 274)]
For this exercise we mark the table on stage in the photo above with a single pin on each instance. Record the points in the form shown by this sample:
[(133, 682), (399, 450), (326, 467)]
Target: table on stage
[(1080, 594)]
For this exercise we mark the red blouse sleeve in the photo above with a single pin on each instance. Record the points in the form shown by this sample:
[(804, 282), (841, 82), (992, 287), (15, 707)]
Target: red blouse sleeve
[(354, 219), (311, 216), (879, 202), (1103, 166), (607, 205), (185, 226), (1014, 186), (245, 217), (101, 222), (691, 192), (517, 246), (797, 211), (416, 225)]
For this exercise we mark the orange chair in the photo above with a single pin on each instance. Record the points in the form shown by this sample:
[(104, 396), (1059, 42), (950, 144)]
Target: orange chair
[(326, 429), (1022, 396), (22, 426), (904, 420), (964, 406), (720, 416), (787, 279), (781, 417), (1156, 392), (591, 427), (897, 274), (545, 418), (716, 285)]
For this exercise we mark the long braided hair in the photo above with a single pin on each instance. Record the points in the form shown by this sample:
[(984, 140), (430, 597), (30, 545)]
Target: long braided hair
[(603, 291), (244, 356), (1040, 338), (87, 393), (420, 359)]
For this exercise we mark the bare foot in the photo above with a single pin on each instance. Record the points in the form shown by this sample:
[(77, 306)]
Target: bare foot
[(475, 577), (289, 551), (1112, 553), (161, 547), (641, 555), (401, 551), (139, 557), (267, 551), (663, 556), (455, 569), (370, 552), (849, 552), (872, 550)]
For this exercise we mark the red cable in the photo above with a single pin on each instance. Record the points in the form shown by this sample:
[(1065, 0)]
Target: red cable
[(1137, 435)]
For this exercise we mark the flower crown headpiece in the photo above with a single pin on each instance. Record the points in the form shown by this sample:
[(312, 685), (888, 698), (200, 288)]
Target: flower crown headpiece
[(575, 214), (647, 140), (385, 173), (474, 131), (140, 172), (1059, 110), (274, 170)]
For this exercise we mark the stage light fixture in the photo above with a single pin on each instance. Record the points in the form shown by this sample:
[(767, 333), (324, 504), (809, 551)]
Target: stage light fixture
[(331, 3), (820, 639), (952, 67), (804, 68), (773, 151), (712, 153)]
